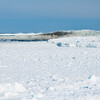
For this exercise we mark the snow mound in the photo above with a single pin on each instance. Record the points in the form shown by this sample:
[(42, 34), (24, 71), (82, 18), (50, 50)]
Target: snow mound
[(10, 91)]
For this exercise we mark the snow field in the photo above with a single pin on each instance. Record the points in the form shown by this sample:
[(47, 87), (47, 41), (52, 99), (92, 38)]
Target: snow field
[(50, 70)]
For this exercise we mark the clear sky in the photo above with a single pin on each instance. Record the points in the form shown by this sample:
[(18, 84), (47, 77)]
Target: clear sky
[(48, 15)]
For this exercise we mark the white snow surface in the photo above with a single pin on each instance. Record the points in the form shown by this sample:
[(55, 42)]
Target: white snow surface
[(57, 69)]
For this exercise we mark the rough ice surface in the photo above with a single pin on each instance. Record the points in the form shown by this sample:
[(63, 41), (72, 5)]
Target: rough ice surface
[(46, 36), (57, 69)]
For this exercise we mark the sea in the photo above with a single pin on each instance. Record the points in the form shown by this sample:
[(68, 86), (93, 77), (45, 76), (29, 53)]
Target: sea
[(44, 25)]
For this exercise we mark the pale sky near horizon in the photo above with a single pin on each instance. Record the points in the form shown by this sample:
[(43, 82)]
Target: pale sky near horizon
[(49, 8), (12, 11)]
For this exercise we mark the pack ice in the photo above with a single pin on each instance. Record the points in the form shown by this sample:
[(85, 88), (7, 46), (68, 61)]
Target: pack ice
[(58, 69)]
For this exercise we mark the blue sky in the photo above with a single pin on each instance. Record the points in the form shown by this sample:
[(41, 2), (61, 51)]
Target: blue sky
[(40, 15)]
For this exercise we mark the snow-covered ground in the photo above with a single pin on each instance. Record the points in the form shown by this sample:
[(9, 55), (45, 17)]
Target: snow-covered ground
[(57, 69)]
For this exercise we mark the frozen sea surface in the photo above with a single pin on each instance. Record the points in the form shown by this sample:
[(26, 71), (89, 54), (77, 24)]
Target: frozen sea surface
[(57, 69)]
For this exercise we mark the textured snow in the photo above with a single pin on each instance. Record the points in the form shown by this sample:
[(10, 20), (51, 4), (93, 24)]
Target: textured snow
[(57, 69)]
